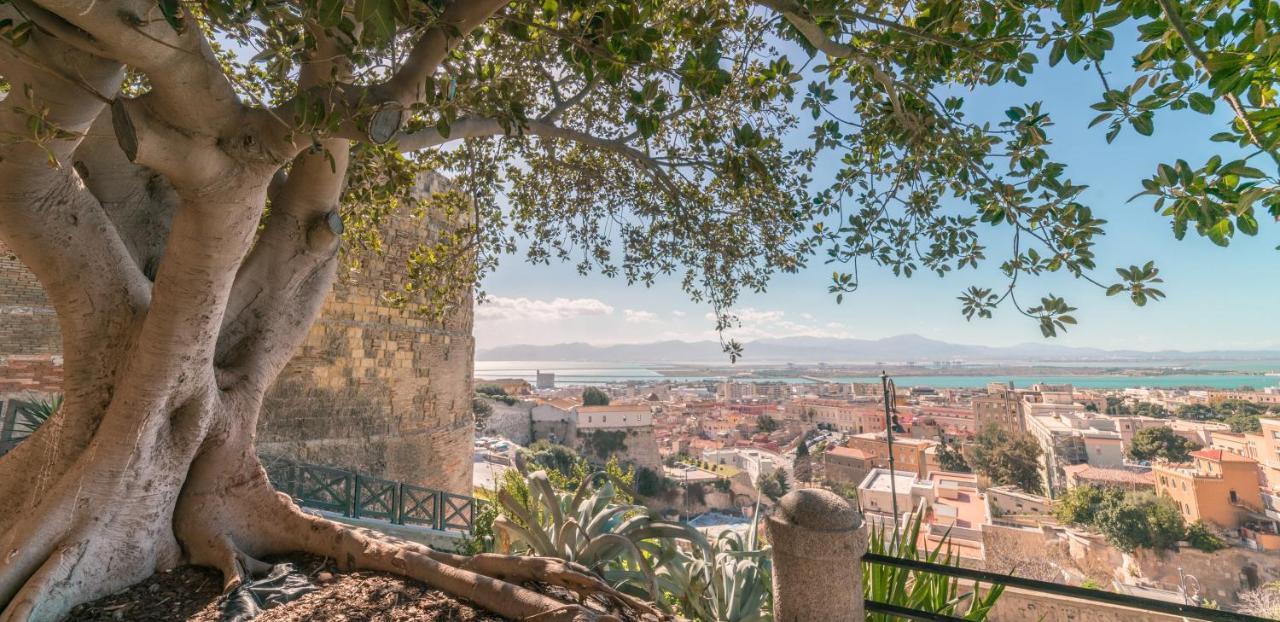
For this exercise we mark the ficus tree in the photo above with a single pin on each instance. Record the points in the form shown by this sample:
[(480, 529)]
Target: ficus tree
[(182, 177)]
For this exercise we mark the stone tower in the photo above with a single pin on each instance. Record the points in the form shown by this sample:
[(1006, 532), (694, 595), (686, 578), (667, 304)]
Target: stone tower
[(372, 389)]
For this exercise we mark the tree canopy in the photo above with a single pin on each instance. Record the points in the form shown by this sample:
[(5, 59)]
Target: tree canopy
[(652, 138), (594, 396), (1007, 458), (1132, 520), (1161, 443)]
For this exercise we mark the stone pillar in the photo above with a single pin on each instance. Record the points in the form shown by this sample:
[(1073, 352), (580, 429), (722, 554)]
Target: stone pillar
[(818, 541)]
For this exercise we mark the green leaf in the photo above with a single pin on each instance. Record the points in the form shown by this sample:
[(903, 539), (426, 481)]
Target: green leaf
[(378, 17), (1142, 124), (1201, 103), (169, 9)]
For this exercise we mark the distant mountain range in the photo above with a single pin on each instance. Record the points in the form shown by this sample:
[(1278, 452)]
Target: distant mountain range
[(899, 349)]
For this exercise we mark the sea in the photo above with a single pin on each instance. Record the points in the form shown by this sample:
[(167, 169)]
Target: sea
[(1153, 374)]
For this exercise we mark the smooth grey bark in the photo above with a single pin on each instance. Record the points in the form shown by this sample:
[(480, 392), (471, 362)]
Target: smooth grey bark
[(140, 216)]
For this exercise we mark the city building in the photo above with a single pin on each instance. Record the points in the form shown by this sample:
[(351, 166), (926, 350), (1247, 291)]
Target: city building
[(756, 463), (879, 489), (1126, 477), (1013, 500), (846, 416), (847, 466), (1073, 437), (1218, 487), (909, 454), (545, 380), (999, 407)]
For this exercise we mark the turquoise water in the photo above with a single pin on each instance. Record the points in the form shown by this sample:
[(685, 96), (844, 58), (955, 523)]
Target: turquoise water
[(568, 373)]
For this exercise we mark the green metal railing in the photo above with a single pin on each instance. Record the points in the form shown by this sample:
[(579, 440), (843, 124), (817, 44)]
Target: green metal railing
[(1192, 612), (359, 496)]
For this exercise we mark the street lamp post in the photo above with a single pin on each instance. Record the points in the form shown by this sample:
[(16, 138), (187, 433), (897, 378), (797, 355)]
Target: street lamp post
[(889, 394)]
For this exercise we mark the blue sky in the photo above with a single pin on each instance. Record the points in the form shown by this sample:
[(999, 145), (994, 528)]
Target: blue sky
[(1217, 297)]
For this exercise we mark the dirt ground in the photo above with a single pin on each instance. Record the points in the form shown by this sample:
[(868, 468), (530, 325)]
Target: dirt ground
[(192, 593)]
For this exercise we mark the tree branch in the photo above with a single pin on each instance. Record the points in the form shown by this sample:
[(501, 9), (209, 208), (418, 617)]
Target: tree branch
[(819, 40), (476, 127), (1180, 27)]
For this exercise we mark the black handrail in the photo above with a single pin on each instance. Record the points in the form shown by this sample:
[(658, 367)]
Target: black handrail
[(1083, 593), (909, 614)]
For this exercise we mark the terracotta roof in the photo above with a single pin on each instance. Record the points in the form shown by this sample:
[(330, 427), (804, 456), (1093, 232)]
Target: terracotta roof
[(846, 452), (1219, 455), (1104, 474), (629, 408)]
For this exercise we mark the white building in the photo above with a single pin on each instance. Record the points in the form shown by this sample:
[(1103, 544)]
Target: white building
[(613, 417), (877, 491), (756, 462)]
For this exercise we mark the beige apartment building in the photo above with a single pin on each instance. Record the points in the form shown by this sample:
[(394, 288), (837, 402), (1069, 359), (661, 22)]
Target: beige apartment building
[(911, 455), (1217, 487), (854, 417)]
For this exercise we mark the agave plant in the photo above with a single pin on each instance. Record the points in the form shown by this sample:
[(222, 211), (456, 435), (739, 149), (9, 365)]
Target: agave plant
[(924, 591), (32, 416), (590, 528), (728, 581)]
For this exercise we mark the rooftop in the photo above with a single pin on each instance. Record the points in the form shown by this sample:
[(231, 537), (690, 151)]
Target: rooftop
[(878, 480), (618, 408), (846, 452), (1219, 455), (1110, 475)]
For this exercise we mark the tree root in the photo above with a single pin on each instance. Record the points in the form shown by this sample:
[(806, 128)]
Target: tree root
[(526, 569), (490, 581)]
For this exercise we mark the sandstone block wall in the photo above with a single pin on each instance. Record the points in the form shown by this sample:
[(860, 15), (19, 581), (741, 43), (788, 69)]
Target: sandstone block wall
[(641, 447), (29, 342), (379, 390)]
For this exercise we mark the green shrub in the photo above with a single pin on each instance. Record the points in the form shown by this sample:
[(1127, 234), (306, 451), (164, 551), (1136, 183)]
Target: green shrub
[(1199, 536), (925, 591)]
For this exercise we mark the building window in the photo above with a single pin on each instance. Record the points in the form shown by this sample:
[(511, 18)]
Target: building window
[(1234, 497)]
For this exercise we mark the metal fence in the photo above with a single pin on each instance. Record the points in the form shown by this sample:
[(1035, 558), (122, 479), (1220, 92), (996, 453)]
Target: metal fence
[(359, 496), (1188, 611)]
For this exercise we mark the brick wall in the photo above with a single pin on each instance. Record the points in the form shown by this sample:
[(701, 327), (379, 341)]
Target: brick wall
[(373, 389)]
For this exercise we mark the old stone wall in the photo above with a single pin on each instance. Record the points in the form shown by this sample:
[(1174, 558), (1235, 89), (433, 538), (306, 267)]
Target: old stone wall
[(1222, 574), (29, 343), (640, 447), (373, 389), (1015, 605), (510, 422), (376, 389)]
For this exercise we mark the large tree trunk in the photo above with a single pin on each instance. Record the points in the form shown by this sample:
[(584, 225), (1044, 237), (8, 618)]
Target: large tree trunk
[(178, 306)]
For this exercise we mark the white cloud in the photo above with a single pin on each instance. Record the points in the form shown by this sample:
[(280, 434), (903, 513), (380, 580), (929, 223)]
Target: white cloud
[(679, 313), (633, 315), (500, 308), (762, 324)]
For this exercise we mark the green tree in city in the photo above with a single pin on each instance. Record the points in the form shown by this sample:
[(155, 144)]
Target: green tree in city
[(1161, 443), (1141, 521), (594, 396), (774, 485), (1007, 458), (767, 424), (1081, 505), (649, 140), (1117, 406), (951, 458), (803, 469), (1147, 409)]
